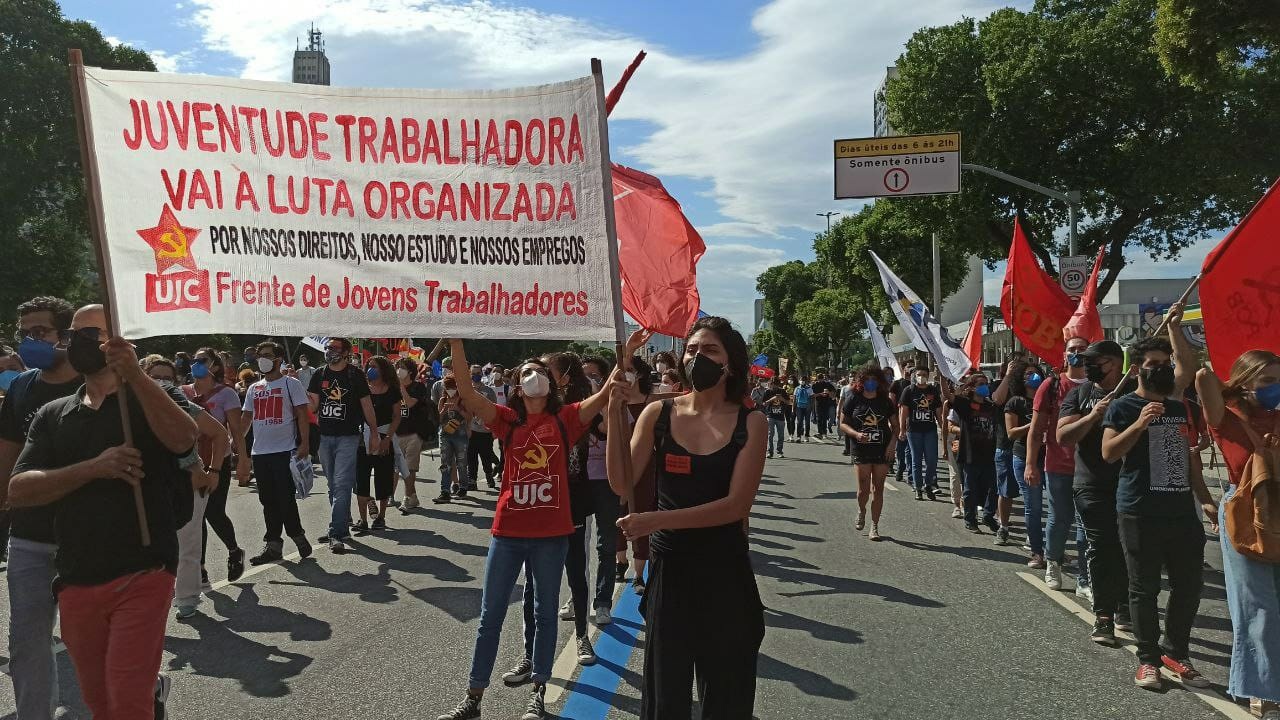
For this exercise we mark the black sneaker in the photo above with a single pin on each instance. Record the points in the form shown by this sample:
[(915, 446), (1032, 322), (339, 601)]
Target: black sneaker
[(1002, 536), (462, 492), (972, 527), (770, 454), (519, 674), (537, 707), (270, 553), (360, 528), (991, 524), (493, 484), (619, 572), (1123, 622), (586, 653), (379, 523), (442, 498), (235, 566), (639, 586), (932, 493), (1104, 632), (163, 683), (304, 547), (920, 495), (846, 452), (467, 709)]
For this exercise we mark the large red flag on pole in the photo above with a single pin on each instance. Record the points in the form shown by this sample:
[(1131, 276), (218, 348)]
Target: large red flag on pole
[(1240, 287), (973, 339), (1086, 322), (1032, 304)]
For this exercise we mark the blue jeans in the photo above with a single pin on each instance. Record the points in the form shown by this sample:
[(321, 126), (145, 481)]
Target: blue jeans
[(1062, 515), (1032, 506), (777, 434), (545, 558), (924, 458), (803, 420), (453, 456), (904, 457), (338, 458), (1253, 597), (32, 611)]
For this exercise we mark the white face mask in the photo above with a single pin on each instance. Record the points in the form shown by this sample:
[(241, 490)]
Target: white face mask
[(663, 367), (536, 385), (664, 387), (266, 365), (451, 391), (922, 379), (402, 374)]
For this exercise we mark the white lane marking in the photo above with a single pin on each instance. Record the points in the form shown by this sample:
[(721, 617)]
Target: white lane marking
[(1210, 697)]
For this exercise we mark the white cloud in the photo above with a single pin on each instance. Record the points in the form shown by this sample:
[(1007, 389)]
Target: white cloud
[(737, 230), (727, 279), (165, 62)]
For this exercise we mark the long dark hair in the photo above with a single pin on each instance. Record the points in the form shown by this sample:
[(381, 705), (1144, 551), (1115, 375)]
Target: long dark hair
[(217, 369), (644, 375), (569, 365), (386, 373), (735, 384), (515, 400)]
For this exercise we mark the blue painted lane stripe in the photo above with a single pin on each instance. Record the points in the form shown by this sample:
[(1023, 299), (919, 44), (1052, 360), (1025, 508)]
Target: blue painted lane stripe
[(593, 692)]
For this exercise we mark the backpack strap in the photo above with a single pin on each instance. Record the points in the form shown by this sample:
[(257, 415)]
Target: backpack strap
[(19, 388)]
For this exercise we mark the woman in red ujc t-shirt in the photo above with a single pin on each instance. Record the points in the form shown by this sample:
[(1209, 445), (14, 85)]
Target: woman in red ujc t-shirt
[(532, 524)]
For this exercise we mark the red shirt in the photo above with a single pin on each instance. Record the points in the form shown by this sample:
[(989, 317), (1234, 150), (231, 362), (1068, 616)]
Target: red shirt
[(1234, 442), (1058, 458), (534, 501)]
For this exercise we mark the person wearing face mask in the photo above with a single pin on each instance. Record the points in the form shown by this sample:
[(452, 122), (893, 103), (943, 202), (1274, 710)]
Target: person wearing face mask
[(414, 401), (803, 398), (1059, 470), (182, 366), (376, 468), (497, 379), (480, 444), (869, 419), (702, 608), (977, 419), (903, 455), (304, 370), (532, 522), (43, 333), (919, 415), (1146, 431), (773, 403), (824, 399), (455, 429), (641, 396), (1244, 416), (1017, 422), (339, 396), (112, 591)]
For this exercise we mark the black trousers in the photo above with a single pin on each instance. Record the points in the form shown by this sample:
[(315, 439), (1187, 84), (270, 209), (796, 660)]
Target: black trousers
[(790, 412), (702, 615), (215, 514), (1107, 573), (1175, 545), (276, 493), (480, 447)]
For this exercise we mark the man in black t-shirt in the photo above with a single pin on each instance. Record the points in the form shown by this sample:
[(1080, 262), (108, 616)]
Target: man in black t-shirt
[(825, 395), (919, 415), (773, 403), (1148, 432), (1080, 423), (112, 591), (977, 417), (339, 395)]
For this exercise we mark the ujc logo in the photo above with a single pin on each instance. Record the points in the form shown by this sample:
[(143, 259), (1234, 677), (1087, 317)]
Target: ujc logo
[(178, 291), (186, 287)]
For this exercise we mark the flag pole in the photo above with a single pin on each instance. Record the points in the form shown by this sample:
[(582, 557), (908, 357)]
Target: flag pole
[(618, 420), (93, 195)]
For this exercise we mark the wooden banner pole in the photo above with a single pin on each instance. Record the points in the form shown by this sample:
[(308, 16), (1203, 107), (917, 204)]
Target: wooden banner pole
[(93, 195)]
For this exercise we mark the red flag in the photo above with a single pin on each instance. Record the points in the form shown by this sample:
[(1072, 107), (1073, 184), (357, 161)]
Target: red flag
[(658, 253), (973, 339), (1240, 287), (1086, 322), (616, 92), (1032, 303)]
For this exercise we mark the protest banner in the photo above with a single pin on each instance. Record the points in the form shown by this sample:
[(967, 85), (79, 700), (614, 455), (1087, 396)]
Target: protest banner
[(239, 206)]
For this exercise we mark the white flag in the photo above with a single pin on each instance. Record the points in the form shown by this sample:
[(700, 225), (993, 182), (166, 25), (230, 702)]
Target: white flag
[(922, 326), (883, 354), (316, 341)]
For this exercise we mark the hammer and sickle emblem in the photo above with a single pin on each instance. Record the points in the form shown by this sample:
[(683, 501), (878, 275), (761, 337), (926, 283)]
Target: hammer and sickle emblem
[(174, 248), (535, 458)]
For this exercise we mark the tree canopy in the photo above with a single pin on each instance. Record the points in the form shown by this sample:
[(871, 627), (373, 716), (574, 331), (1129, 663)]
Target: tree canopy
[(1203, 42)]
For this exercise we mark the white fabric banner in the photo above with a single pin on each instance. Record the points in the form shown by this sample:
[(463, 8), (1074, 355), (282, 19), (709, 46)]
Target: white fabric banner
[(922, 326), (238, 206), (881, 348)]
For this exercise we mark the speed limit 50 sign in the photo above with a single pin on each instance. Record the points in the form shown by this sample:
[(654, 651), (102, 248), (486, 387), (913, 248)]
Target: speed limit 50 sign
[(1073, 273)]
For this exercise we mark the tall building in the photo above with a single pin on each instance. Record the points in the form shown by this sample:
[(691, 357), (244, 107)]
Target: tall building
[(881, 124), (311, 66)]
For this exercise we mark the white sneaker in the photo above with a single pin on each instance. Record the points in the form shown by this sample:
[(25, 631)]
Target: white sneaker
[(566, 610), (862, 521), (603, 616), (1053, 575), (410, 502), (1085, 591), (337, 546), (957, 513)]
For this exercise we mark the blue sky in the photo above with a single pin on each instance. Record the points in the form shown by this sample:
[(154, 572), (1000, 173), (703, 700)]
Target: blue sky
[(734, 109)]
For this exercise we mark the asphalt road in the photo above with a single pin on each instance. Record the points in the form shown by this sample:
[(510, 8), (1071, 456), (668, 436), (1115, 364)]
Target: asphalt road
[(931, 622)]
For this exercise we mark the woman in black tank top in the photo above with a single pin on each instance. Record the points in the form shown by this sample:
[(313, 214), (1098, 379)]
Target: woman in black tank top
[(702, 610)]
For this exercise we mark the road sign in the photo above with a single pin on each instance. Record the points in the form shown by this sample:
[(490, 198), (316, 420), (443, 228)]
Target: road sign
[(1073, 273), (897, 166)]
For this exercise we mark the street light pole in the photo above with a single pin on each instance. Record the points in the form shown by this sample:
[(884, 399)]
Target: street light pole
[(827, 215), (1071, 197)]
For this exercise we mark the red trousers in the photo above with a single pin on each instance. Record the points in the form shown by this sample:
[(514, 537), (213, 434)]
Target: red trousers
[(114, 633)]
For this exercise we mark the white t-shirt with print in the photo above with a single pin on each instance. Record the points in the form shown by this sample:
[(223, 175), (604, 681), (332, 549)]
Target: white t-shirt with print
[(271, 402)]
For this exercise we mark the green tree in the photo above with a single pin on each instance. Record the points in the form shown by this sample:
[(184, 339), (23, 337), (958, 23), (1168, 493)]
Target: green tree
[(43, 216), (831, 314), (784, 287), (1204, 42), (1072, 94)]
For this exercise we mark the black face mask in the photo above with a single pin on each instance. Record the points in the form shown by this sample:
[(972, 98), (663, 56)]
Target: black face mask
[(702, 372), (1159, 380), (84, 352), (1094, 372)]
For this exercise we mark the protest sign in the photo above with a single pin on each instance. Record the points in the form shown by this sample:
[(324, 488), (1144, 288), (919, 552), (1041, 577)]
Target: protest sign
[(238, 206)]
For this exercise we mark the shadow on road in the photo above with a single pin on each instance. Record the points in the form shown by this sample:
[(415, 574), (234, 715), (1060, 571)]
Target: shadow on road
[(798, 572)]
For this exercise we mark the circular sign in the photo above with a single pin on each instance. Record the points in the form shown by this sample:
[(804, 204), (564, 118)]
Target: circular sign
[(1073, 280), (1126, 334), (896, 180)]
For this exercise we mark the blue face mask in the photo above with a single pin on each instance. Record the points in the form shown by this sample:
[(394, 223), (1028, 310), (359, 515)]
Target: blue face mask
[(1033, 380), (372, 374), (1268, 396), (1075, 360), (983, 391), (6, 379), (199, 370), (37, 354), (870, 385), (475, 378)]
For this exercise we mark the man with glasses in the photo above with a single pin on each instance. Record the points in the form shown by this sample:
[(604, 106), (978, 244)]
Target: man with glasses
[(339, 396), (43, 332)]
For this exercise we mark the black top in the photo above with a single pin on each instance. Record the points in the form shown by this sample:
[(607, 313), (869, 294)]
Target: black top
[(1092, 472), (826, 385), (898, 387), (1155, 477), (979, 420), (869, 416), (340, 393), (383, 404), (685, 480), (32, 523), (96, 526), (922, 405), (771, 410), (411, 419), (1021, 407)]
